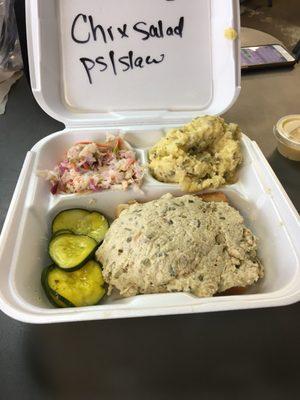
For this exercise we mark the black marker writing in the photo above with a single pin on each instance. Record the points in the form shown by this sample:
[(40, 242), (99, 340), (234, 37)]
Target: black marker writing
[(84, 29), (112, 59), (76, 20), (118, 64), (158, 31), (122, 31), (150, 60), (96, 28), (111, 35), (100, 61), (88, 66)]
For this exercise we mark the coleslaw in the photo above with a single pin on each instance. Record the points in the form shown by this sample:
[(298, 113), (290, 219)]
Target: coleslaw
[(93, 167)]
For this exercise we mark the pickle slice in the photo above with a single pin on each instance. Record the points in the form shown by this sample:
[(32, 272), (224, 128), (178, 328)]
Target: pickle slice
[(70, 252), (81, 222), (83, 287)]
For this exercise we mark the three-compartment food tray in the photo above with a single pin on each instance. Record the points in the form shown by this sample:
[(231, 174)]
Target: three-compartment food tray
[(200, 75), (257, 195)]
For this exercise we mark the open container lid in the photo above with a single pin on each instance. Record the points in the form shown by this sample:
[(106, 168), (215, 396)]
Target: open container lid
[(112, 62)]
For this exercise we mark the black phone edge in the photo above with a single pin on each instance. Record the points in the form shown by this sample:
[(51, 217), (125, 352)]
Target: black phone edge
[(281, 64)]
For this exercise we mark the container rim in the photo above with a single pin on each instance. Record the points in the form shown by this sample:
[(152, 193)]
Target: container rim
[(282, 136)]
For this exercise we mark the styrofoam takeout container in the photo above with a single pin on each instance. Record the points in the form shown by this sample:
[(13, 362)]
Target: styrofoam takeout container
[(159, 101)]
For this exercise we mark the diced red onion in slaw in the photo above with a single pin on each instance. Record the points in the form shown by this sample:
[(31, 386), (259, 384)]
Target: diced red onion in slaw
[(93, 167)]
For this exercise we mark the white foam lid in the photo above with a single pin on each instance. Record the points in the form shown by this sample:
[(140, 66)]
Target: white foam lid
[(199, 74)]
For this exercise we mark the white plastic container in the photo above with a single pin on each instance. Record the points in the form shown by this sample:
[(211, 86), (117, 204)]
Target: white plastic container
[(154, 102), (287, 134)]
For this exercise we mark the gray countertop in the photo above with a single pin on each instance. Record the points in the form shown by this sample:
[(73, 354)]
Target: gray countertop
[(242, 354)]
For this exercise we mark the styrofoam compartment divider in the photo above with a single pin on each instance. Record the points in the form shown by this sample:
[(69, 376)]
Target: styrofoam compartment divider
[(255, 196)]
